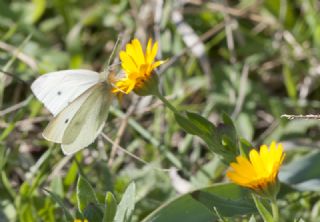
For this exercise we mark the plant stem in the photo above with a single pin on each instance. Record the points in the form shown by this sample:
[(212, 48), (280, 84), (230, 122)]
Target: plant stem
[(265, 214), (166, 102), (275, 210)]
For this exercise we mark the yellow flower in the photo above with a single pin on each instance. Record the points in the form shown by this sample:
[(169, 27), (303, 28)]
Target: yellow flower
[(261, 171), (137, 65), (79, 220)]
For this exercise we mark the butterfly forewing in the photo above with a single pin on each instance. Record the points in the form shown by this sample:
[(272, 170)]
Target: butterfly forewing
[(58, 89)]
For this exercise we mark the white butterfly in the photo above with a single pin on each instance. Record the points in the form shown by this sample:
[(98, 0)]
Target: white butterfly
[(79, 101)]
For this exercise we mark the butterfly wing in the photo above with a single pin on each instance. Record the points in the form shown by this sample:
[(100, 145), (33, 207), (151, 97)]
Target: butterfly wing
[(56, 128), (88, 122), (56, 90)]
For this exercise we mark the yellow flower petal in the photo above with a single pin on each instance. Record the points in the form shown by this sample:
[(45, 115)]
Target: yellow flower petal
[(158, 63), (153, 53), (127, 63), (257, 163), (138, 52), (148, 50)]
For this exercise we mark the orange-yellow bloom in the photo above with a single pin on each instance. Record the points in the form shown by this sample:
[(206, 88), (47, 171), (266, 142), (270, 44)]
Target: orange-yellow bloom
[(137, 65), (79, 220), (261, 170)]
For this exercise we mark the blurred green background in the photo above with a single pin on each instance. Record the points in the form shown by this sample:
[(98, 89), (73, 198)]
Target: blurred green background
[(254, 60)]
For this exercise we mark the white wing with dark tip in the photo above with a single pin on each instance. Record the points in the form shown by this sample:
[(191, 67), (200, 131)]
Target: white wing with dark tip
[(56, 90)]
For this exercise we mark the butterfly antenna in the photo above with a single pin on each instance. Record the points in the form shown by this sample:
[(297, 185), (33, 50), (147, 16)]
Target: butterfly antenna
[(112, 53)]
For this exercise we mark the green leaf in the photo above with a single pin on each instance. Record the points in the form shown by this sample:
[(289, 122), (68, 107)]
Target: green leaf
[(228, 199), (228, 133), (110, 208), (252, 219), (302, 173), (222, 140), (290, 83), (201, 123), (6, 11), (223, 205), (287, 17), (59, 201), (85, 194), (94, 14), (265, 214), (195, 124), (92, 212), (38, 10), (57, 186), (71, 176), (126, 205), (7, 131), (245, 147), (186, 124)]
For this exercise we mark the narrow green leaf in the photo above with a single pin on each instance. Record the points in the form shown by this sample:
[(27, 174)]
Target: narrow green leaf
[(7, 131), (252, 219), (7, 185), (265, 214), (39, 9), (287, 17), (110, 208), (57, 186), (94, 15), (92, 212), (289, 82), (71, 176), (85, 194), (126, 205), (59, 201)]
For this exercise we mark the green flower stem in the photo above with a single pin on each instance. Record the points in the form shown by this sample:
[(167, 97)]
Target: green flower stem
[(275, 210), (166, 102), (265, 214)]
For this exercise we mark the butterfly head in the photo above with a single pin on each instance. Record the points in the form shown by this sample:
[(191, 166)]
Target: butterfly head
[(110, 77)]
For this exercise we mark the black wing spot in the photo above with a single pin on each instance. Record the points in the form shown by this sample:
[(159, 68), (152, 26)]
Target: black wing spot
[(59, 93), (66, 121)]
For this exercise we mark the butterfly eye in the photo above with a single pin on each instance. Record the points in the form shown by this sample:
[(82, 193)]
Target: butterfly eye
[(59, 93)]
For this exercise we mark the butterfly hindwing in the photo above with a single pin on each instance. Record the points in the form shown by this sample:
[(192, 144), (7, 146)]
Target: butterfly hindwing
[(56, 128), (88, 122)]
